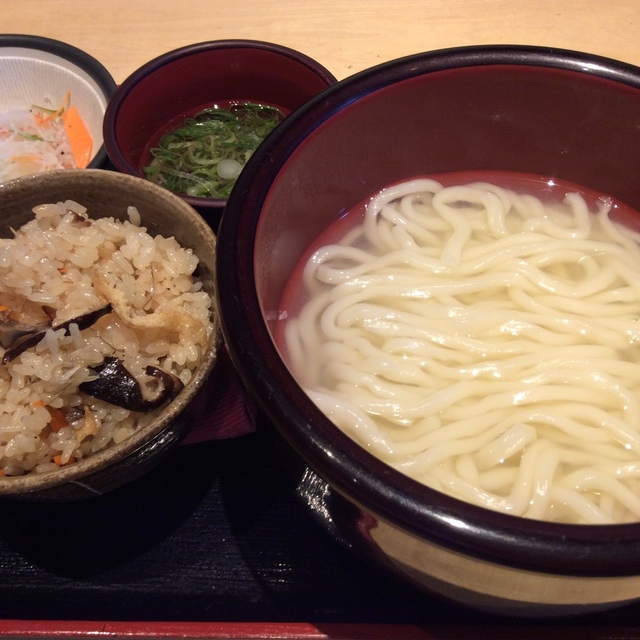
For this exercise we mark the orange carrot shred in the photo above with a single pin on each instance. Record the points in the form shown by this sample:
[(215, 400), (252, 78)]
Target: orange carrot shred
[(3, 307), (79, 137), (58, 419), (38, 403), (40, 119), (26, 158), (58, 460)]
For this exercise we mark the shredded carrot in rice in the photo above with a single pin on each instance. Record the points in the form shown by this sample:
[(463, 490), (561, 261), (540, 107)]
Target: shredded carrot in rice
[(57, 459), (58, 420)]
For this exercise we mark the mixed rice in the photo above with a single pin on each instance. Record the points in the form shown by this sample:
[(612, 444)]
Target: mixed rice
[(90, 308)]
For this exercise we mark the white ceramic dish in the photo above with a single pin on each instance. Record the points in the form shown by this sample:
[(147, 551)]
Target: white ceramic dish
[(35, 70)]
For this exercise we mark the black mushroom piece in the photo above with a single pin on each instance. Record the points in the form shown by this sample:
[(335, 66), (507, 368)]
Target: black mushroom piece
[(16, 338), (13, 333), (20, 317), (116, 385)]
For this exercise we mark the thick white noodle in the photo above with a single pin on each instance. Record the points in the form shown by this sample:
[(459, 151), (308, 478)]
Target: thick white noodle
[(486, 344)]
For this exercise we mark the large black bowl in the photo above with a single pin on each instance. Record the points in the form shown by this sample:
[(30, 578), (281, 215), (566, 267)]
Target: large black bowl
[(558, 113)]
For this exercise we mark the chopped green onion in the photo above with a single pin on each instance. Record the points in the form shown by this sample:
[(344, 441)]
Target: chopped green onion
[(37, 107), (29, 136), (205, 154)]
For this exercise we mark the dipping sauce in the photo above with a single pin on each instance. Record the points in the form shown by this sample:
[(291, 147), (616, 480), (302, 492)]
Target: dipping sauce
[(204, 154)]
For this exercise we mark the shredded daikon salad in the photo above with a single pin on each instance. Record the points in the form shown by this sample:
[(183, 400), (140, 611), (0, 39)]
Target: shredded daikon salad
[(39, 139)]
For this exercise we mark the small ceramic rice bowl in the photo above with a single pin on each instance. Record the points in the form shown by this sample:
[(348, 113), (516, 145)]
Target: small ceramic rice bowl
[(41, 71), (151, 406)]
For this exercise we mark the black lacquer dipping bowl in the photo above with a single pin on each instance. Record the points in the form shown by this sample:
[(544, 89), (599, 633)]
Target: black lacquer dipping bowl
[(158, 96)]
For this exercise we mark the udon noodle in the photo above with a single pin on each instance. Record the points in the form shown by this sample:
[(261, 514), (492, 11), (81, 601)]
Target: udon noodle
[(485, 343)]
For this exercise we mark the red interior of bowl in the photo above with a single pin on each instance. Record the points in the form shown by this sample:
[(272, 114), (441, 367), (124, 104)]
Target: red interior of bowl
[(553, 113), (552, 122), (199, 75)]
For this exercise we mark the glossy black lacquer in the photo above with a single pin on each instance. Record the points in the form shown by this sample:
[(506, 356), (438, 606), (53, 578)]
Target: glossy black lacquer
[(558, 113)]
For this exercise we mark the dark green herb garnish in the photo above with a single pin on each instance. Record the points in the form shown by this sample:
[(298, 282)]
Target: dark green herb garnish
[(205, 154)]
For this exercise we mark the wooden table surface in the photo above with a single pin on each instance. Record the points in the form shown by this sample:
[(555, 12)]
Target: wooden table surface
[(346, 36)]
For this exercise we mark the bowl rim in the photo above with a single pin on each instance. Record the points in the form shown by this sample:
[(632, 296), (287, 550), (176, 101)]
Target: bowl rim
[(600, 550), (121, 94), (18, 485), (83, 60)]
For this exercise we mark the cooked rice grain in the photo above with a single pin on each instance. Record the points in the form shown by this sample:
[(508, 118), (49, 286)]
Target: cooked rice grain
[(69, 264)]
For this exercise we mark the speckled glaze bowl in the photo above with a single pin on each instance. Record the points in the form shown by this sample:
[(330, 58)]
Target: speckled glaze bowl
[(199, 75), (37, 70), (108, 193), (532, 110)]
